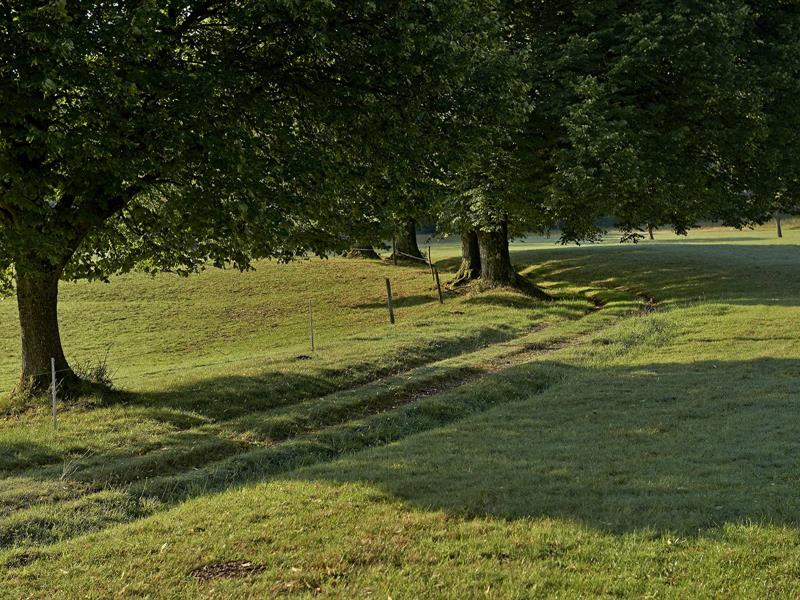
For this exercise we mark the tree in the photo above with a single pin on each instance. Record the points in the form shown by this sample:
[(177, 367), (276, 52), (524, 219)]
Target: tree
[(167, 136), (470, 267), (774, 57), (645, 111), (666, 131), (406, 239), (496, 264)]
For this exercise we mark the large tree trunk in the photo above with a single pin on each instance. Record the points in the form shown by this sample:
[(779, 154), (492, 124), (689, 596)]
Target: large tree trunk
[(496, 267), (37, 300), (650, 231), (406, 240), (37, 277), (470, 268), (778, 223)]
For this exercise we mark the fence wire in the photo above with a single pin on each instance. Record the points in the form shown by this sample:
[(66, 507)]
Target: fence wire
[(299, 320)]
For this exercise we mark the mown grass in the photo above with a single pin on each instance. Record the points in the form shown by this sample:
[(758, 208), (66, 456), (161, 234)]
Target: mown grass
[(219, 421), (623, 453), (167, 333)]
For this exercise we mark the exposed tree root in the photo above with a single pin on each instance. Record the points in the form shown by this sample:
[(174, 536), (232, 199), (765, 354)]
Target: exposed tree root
[(465, 275), (520, 283)]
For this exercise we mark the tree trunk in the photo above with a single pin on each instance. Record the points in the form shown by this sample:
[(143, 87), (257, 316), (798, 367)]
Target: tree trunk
[(778, 223), (37, 300), (363, 251), (650, 231), (406, 240), (496, 267), (470, 268)]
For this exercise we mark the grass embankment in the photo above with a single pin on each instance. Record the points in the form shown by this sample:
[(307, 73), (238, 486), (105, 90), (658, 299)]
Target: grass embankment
[(621, 453)]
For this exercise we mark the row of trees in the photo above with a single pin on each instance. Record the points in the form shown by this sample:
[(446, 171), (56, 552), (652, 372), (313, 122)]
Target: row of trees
[(166, 136), (660, 114)]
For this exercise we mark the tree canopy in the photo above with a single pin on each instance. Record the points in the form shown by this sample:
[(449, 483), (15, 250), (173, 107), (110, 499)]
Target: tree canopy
[(650, 112), (167, 135)]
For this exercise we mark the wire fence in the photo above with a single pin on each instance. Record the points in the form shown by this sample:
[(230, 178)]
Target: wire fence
[(307, 318)]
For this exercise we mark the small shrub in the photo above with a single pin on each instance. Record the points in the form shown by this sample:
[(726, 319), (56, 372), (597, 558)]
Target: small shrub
[(98, 373)]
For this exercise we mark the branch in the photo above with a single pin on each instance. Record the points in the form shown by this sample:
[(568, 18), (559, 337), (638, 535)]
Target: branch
[(6, 216), (203, 11)]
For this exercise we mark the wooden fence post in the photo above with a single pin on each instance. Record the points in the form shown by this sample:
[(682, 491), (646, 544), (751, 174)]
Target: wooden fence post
[(54, 393), (438, 286), (311, 324), (389, 302)]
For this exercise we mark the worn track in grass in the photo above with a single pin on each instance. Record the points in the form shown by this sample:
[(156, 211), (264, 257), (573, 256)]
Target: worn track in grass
[(102, 491)]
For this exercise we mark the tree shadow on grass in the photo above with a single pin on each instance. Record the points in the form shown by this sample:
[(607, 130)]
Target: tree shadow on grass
[(702, 239), (403, 301), (25, 452), (227, 397), (677, 448), (659, 447), (240, 406), (735, 274), (562, 311)]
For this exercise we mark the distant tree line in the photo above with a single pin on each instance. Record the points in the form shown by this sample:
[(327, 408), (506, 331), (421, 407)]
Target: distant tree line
[(172, 135)]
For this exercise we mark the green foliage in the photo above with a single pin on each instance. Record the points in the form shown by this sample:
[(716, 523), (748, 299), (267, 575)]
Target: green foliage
[(649, 112), (774, 57), (171, 136), (6, 281), (166, 136), (663, 132)]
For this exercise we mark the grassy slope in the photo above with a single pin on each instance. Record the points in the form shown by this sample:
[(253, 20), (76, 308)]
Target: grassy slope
[(249, 407), (648, 455)]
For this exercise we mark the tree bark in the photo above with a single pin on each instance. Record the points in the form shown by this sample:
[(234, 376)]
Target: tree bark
[(470, 268), (37, 301), (496, 267), (778, 223), (650, 231), (406, 240)]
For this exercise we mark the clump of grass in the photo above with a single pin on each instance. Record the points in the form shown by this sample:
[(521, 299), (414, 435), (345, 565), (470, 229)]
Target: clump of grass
[(648, 331), (95, 372)]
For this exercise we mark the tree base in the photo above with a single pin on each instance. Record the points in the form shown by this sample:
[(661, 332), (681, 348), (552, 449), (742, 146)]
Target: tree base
[(405, 241), (465, 275), (71, 387), (30, 387), (366, 253), (519, 283), (83, 394)]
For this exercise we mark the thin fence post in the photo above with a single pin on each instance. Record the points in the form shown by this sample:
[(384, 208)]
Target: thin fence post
[(394, 252), (311, 324), (53, 386), (389, 302), (430, 263), (438, 286)]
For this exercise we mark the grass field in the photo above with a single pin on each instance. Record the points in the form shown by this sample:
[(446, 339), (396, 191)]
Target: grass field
[(638, 436)]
